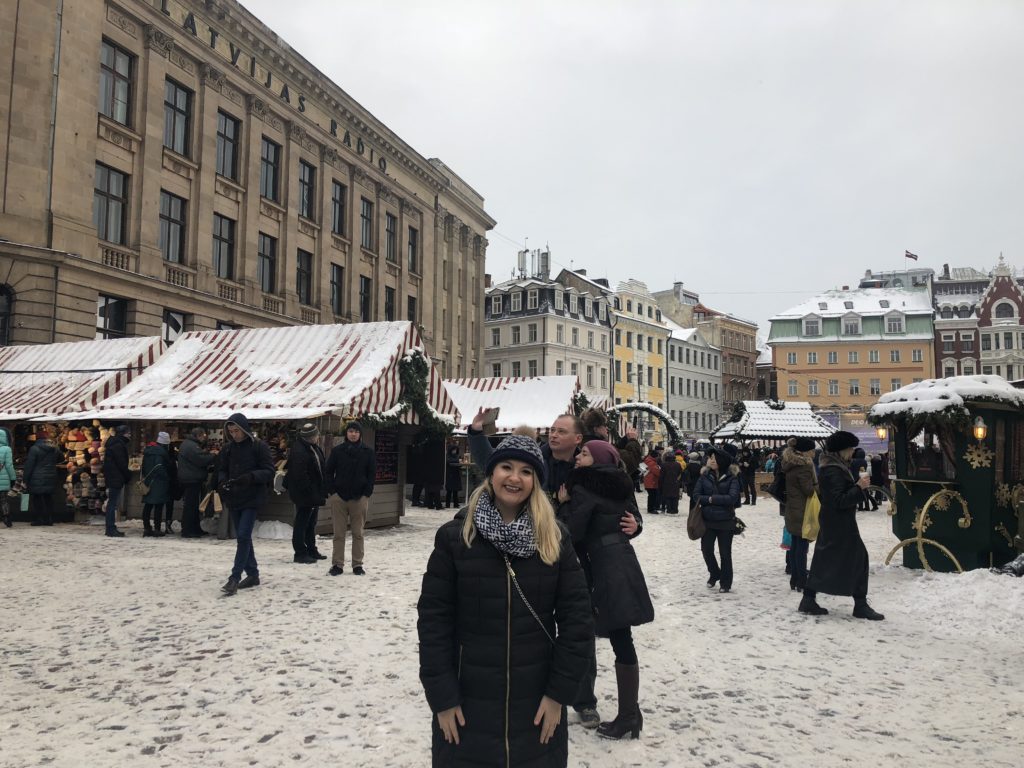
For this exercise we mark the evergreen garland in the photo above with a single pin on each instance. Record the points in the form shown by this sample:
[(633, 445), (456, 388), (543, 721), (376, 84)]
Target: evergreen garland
[(412, 374)]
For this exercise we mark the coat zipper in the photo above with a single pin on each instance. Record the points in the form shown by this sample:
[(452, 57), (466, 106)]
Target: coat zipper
[(508, 661), (459, 673)]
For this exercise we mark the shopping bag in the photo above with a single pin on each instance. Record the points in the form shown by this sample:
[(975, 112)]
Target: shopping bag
[(787, 538), (811, 509), (211, 504), (24, 502), (695, 527)]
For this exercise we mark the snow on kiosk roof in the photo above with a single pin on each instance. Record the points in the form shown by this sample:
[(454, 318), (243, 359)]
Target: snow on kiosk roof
[(294, 372), (949, 396), (47, 381), (769, 419), (535, 401)]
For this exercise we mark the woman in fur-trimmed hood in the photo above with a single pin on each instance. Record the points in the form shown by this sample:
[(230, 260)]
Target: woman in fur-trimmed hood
[(801, 482), (718, 492)]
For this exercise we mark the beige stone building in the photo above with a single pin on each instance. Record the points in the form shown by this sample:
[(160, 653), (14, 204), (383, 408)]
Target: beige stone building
[(172, 165)]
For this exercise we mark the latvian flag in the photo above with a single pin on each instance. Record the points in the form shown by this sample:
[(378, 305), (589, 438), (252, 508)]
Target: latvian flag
[(910, 255)]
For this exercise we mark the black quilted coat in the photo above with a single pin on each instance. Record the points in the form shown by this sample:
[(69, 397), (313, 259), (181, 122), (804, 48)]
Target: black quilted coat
[(599, 495), (481, 649)]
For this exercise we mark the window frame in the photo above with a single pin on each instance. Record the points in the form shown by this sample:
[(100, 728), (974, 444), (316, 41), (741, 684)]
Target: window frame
[(105, 197), (178, 119), (224, 142), (390, 237), (307, 190), (104, 330), (339, 196), (337, 288), (365, 299), (304, 277), (169, 224), (226, 241), (270, 170), (366, 224), (266, 263), (109, 101)]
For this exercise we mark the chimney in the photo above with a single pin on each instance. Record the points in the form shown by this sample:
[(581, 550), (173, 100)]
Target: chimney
[(945, 271), (487, 280), (846, 287), (581, 272)]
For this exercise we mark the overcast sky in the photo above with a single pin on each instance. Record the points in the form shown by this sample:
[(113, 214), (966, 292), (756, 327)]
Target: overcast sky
[(757, 151)]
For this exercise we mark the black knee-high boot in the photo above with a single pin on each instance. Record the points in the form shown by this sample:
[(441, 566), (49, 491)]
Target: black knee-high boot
[(629, 719)]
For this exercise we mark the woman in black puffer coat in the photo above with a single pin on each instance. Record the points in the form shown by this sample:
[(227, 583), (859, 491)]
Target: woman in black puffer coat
[(505, 626), (718, 492), (600, 510)]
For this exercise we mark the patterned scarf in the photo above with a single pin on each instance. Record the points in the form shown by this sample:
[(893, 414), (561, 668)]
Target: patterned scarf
[(515, 539)]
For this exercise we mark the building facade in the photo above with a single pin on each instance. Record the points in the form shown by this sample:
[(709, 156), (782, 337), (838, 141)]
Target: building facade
[(694, 381), (639, 346), (843, 349), (540, 327), (198, 173)]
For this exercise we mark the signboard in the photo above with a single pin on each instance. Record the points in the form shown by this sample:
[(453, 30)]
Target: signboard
[(385, 448), (858, 425)]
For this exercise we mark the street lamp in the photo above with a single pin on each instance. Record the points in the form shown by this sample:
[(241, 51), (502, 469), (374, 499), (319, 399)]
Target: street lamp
[(980, 429), (882, 432)]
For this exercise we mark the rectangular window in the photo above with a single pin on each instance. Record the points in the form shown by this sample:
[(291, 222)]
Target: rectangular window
[(812, 328), (532, 298), (629, 373), (967, 343), (873, 356), (266, 263), (389, 304), (531, 333), (495, 337), (366, 223), (917, 355), (531, 368), (986, 342), (640, 341), (517, 369), (223, 247), (365, 299), (986, 370), (604, 378), (590, 375), (604, 343), (413, 317), (851, 326), (573, 303), (812, 388), (650, 343), (337, 288), (833, 358), (854, 386), (560, 334), (791, 358), (495, 305), (1007, 340), (177, 117), (968, 370), (304, 277), (949, 370), (172, 326), (618, 337), (895, 384), (640, 375), (894, 324), (618, 370), (875, 387), (853, 357), (559, 300), (111, 317), (110, 204), (812, 358), (172, 227), (661, 378), (307, 190), (390, 237), (516, 335), (496, 370), (516, 302), (833, 387), (270, 170), (575, 337), (590, 339), (894, 355), (228, 132), (116, 67), (792, 388), (414, 249), (559, 368), (338, 194), (629, 338)]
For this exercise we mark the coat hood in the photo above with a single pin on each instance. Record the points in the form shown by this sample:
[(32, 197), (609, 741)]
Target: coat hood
[(733, 470), (240, 420), (604, 480), (4, 442), (792, 458)]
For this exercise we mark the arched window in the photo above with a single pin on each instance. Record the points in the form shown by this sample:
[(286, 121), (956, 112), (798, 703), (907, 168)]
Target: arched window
[(6, 307), (1004, 309)]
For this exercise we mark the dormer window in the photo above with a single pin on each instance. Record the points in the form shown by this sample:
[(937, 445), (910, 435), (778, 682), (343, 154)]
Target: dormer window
[(812, 325), (883, 303), (851, 325), (516, 303), (586, 307), (848, 304), (574, 306), (531, 298), (894, 323), (559, 300), (822, 305)]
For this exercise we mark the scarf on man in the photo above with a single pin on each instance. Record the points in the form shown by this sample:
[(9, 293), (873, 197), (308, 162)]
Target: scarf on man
[(515, 539)]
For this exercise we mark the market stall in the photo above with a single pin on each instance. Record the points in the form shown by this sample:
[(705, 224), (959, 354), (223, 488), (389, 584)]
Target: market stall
[(535, 401), (280, 377), (48, 382), (957, 462)]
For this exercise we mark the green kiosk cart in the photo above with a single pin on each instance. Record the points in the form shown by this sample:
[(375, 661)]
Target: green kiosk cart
[(956, 464)]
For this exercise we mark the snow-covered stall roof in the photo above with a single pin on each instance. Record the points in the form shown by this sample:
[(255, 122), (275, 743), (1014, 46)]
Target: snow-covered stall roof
[(50, 380), (534, 401), (278, 373), (765, 420), (949, 395)]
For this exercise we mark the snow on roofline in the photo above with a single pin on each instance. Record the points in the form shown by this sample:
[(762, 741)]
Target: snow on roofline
[(534, 401), (952, 394), (775, 419), (865, 301)]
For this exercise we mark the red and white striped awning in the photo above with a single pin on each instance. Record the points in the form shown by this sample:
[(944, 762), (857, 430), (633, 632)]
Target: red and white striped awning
[(47, 381), (533, 401), (278, 373)]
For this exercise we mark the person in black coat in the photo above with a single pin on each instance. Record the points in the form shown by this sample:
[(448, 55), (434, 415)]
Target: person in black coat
[(244, 477), (307, 488), (877, 480), (599, 508), (670, 482), (505, 624), (116, 474), (748, 462), (40, 477), (453, 477), (692, 474), (350, 474), (194, 464), (840, 562), (718, 492)]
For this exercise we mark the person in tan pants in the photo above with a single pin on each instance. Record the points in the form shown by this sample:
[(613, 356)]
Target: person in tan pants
[(350, 473)]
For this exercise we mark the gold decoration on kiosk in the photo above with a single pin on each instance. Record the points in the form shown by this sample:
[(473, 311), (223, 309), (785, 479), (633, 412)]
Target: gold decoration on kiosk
[(979, 456), (923, 522)]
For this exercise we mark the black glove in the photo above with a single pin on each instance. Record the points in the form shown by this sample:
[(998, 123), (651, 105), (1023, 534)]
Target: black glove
[(242, 480)]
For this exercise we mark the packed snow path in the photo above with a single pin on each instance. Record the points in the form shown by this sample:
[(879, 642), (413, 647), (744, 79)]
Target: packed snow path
[(122, 652)]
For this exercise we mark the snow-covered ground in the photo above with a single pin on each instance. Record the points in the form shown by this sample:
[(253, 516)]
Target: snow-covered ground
[(122, 652)]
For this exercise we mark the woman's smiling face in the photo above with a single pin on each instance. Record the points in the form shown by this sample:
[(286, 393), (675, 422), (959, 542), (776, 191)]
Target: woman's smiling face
[(512, 481)]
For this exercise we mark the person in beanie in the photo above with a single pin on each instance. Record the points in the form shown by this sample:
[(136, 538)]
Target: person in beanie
[(194, 463), (840, 563), (599, 509), (718, 492), (156, 474), (116, 474), (244, 475), (670, 483), (40, 478), (350, 474), (798, 467), (307, 490), (505, 624)]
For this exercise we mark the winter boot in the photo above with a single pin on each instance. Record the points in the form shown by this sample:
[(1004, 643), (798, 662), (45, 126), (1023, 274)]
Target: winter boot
[(809, 604), (861, 610), (230, 586), (629, 719), (248, 582)]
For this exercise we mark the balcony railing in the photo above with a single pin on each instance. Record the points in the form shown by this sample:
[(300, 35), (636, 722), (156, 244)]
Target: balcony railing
[(119, 258), (273, 304), (230, 292), (311, 316), (176, 274)]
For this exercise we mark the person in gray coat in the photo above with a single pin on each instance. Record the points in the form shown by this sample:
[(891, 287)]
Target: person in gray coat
[(194, 465)]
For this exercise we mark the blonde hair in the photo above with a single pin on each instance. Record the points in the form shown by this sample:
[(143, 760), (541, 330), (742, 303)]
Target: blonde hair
[(545, 528)]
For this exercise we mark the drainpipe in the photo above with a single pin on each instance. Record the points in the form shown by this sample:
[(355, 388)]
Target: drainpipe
[(49, 169)]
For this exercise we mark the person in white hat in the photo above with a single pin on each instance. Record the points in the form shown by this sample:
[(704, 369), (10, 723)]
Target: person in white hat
[(305, 484)]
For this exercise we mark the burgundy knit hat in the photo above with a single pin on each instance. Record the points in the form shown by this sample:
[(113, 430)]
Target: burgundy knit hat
[(603, 452)]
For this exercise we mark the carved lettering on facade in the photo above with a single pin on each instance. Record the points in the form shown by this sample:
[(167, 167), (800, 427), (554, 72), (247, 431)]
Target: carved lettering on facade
[(122, 22), (158, 41)]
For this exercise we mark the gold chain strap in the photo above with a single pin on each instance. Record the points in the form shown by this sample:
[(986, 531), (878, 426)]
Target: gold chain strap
[(526, 602)]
